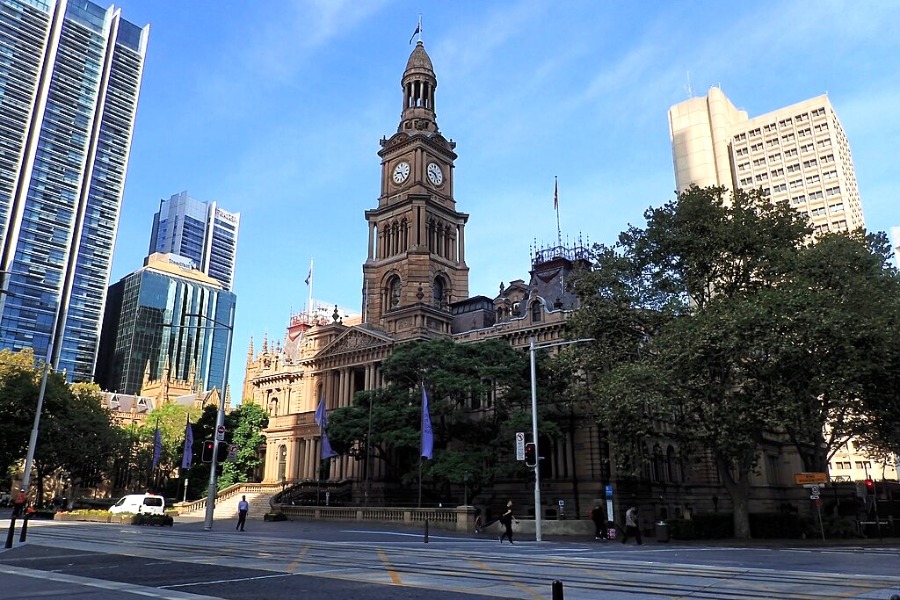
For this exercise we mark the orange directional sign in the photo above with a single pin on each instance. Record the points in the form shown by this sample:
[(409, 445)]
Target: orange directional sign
[(807, 478)]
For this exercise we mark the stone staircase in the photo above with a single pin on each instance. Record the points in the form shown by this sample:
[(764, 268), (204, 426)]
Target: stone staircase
[(257, 494)]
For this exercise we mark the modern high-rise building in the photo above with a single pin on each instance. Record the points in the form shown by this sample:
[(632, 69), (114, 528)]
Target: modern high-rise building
[(797, 154), (166, 321), (70, 75), (200, 231)]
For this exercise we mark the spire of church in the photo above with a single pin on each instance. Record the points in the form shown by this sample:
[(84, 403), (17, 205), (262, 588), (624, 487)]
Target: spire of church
[(419, 84), (250, 350)]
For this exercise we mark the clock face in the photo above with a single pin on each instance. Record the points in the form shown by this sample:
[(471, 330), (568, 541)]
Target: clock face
[(435, 175), (401, 172)]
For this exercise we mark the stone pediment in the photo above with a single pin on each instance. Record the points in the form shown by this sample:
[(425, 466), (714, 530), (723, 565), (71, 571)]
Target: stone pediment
[(355, 338)]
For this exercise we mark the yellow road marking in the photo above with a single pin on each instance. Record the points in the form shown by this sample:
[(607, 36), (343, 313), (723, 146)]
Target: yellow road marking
[(296, 562), (524, 588), (395, 577)]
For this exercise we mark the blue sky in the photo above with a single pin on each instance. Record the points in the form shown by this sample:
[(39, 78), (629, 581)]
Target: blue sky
[(274, 109)]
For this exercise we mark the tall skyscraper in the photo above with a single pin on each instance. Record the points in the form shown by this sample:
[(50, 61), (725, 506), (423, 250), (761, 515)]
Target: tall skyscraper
[(797, 154), (200, 231), (166, 319), (70, 74)]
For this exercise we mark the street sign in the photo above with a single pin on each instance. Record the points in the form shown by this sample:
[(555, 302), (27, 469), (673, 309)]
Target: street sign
[(520, 445), (232, 452), (220, 432), (609, 490), (813, 496), (804, 478)]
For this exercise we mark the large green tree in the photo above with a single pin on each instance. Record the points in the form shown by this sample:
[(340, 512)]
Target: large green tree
[(478, 398), (75, 439), (245, 425), (669, 304)]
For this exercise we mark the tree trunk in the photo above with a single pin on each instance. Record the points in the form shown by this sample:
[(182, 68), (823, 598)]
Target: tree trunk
[(738, 489)]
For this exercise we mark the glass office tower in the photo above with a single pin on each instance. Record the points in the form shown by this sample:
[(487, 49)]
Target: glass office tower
[(200, 231), (70, 74), (166, 316)]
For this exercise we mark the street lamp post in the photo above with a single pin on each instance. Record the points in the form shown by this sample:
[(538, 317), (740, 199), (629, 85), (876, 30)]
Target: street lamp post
[(532, 348), (220, 416), (369, 453), (32, 440)]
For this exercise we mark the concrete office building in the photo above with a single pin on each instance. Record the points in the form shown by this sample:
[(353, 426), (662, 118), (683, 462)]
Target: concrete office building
[(200, 231), (166, 322), (70, 75), (797, 154)]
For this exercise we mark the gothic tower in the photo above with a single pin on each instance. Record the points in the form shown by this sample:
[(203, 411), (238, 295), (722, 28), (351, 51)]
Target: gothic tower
[(416, 259)]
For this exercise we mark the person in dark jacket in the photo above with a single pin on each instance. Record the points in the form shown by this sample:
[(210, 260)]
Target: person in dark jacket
[(506, 519)]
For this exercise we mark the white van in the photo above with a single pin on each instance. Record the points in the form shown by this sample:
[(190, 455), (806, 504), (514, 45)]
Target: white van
[(148, 504)]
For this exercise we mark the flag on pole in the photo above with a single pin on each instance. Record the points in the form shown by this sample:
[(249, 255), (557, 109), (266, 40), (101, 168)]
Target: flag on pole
[(555, 194), (309, 276), (417, 31), (322, 422), (157, 447), (427, 433), (188, 457)]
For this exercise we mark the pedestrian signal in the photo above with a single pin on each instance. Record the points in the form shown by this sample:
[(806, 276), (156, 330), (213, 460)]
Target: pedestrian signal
[(222, 452), (530, 455), (870, 487), (209, 447)]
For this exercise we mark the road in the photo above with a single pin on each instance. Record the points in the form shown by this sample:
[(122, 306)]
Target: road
[(364, 562)]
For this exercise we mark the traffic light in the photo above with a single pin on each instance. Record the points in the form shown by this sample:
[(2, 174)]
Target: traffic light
[(209, 447), (870, 487), (530, 455), (222, 453)]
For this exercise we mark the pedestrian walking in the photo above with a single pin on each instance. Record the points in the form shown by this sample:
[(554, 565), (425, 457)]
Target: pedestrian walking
[(19, 504), (632, 527), (601, 525), (243, 509), (506, 519)]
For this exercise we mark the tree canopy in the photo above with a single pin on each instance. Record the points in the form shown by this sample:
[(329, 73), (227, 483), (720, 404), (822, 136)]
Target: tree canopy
[(723, 320), (478, 397)]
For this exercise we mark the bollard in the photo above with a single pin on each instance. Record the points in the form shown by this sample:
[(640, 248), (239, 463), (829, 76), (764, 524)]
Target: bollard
[(12, 532), (24, 528), (557, 589), (426, 531)]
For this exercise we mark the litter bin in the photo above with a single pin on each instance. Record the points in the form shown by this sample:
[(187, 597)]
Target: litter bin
[(662, 531)]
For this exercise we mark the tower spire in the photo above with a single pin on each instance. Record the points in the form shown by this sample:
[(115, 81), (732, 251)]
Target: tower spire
[(419, 84)]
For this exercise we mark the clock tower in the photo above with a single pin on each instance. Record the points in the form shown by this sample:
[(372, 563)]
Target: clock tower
[(416, 258)]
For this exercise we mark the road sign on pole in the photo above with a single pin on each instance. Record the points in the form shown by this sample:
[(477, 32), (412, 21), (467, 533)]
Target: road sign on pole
[(807, 478), (520, 446), (220, 433)]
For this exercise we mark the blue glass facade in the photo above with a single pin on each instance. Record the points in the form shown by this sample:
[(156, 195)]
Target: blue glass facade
[(200, 231), (156, 319), (70, 75)]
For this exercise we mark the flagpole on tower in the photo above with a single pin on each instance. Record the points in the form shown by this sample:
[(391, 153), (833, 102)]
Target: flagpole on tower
[(309, 282), (556, 208), (418, 31)]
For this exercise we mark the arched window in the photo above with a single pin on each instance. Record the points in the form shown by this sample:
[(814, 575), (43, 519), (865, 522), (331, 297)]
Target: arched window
[(536, 312), (671, 466), (438, 292), (393, 293), (273, 407), (659, 471)]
